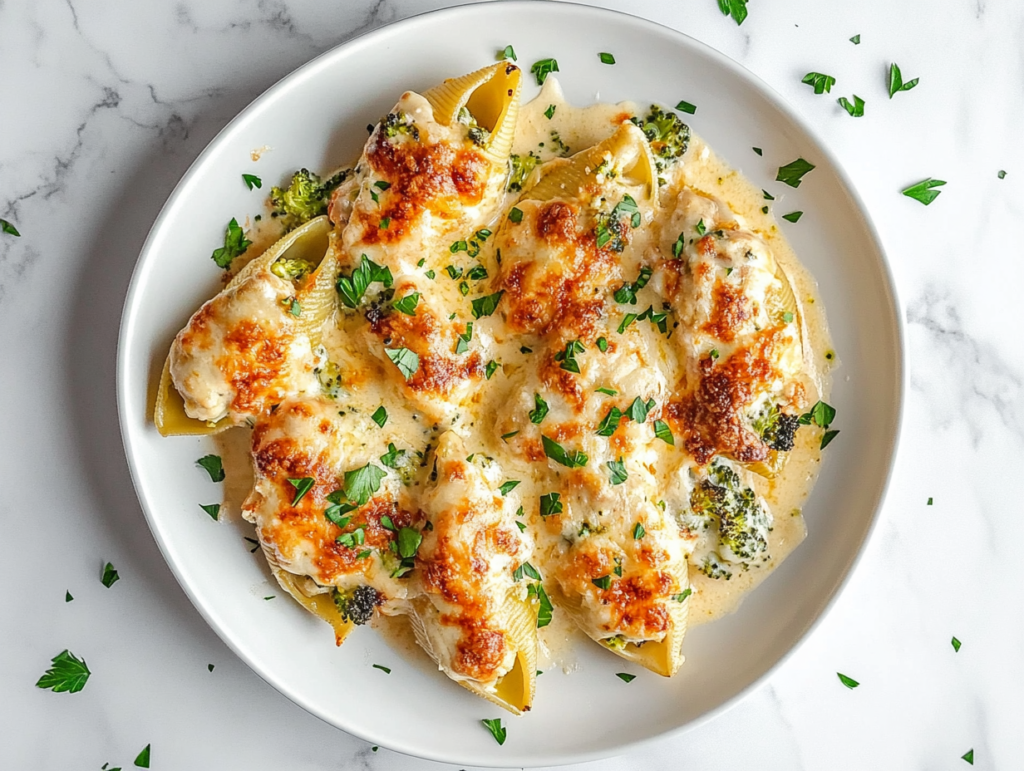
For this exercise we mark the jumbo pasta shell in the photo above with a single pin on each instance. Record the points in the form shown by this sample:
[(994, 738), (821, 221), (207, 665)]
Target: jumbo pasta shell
[(628, 156), (169, 411), (321, 605), (491, 95)]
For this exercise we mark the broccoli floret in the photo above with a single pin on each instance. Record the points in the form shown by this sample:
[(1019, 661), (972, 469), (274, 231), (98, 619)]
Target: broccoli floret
[(305, 197), (712, 567), (477, 133), (776, 428), (357, 606), (291, 270), (522, 167), (742, 519), (668, 135), (395, 124)]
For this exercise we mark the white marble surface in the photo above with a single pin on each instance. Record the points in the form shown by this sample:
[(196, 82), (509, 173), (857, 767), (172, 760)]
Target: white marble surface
[(103, 106)]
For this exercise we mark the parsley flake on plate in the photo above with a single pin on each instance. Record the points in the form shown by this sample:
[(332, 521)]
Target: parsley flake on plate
[(625, 677), (793, 216), (507, 53), (606, 58), (687, 107), (213, 509), (854, 108), (252, 181), (735, 8), (214, 467), (924, 190), (855, 39), (67, 673), (968, 756), (956, 644), (382, 668), (142, 761), (793, 173), (550, 112), (896, 83), (542, 68), (110, 576), (494, 726), (235, 243), (68, 597), (849, 682)]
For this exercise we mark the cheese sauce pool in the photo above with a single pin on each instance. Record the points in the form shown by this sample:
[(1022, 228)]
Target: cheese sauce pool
[(551, 133)]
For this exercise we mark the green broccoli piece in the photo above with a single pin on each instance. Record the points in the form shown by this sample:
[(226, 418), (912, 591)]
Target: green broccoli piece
[(395, 124), (305, 197), (291, 269), (712, 567), (357, 606), (522, 167), (776, 428), (742, 519), (668, 135)]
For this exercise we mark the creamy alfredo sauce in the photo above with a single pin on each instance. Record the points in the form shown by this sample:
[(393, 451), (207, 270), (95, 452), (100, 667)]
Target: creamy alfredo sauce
[(568, 130)]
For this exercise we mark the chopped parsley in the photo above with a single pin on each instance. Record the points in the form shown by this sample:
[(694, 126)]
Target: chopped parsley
[(855, 40), (567, 356), (768, 196), (252, 181), (382, 668), (352, 288), (820, 82), (509, 435), (550, 504), (618, 471), (380, 416), (735, 8), (542, 68), (545, 608), (1001, 175), (956, 644), (302, 486), (627, 292), (110, 576), (625, 677), (930, 501), (638, 531), (391, 457), (757, 150), (409, 540), (663, 432), (793, 216), (606, 58), (602, 345), (681, 597), (67, 674), (491, 368), (494, 726), (508, 53), (407, 304), (896, 83), (968, 756), (793, 173), (557, 453), (526, 570), (606, 391), (855, 108), (639, 409), (827, 437), (849, 682), (142, 759), (923, 191), (540, 410), (362, 483), (235, 243), (67, 596), (602, 582), (486, 305), (10, 230), (213, 509), (407, 361), (610, 422), (509, 486), (213, 466), (550, 112), (462, 344), (384, 222), (687, 107)]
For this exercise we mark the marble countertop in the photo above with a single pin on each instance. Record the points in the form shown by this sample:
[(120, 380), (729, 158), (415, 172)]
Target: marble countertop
[(105, 105)]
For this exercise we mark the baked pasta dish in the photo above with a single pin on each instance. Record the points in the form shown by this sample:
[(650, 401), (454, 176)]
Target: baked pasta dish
[(516, 369)]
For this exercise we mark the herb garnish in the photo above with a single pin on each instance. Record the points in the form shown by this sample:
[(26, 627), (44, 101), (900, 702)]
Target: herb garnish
[(540, 410), (856, 108), (606, 391), (462, 344), (735, 8), (407, 304), (793, 216), (610, 422), (550, 112), (792, 173), (543, 68), (485, 306), (494, 726), (380, 416), (606, 58), (687, 107), (67, 596), (302, 486), (408, 362), (618, 471), (68, 673), (527, 570), (849, 682), (235, 243), (681, 597), (757, 150), (557, 453), (382, 668), (213, 466), (1001, 175), (567, 356), (545, 608), (110, 576), (9, 228), (602, 582), (930, 501), (625, 677), (602, 344), (550, 504), (896, 83), (627, 292), (923, 191), (509, 486), (820, 82), (390, 458), (855, 39), (508, 53), (352, 288), (492, 367), (638, 531), (142, 760), (639, 409), (213, 509), (956, 644), (968, 756), (252, 181), (664, 433)]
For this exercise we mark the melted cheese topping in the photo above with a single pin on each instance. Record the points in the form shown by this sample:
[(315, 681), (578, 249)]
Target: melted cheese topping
[(561, 369)]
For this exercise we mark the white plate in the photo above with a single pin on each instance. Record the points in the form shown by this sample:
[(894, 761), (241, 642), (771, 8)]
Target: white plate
[(317, 117)]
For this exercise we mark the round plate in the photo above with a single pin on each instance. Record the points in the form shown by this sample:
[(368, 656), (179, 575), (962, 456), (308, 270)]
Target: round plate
[(317, 117)]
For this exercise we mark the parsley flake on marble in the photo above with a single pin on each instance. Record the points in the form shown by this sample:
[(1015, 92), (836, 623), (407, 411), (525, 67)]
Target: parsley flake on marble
[(896, 83), (849, 682), (854, 108), (819, 81), (792, 174), (67, 596), (382, 668), (924, 191), (855, 39), (142, 761), (235, 243), (214, 467), (67, 674), (110, 576), (956, 644), (9, 228), (968, 756), (735, 8)]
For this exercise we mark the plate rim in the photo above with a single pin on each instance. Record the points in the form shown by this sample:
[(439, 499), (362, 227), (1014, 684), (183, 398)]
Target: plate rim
[(779, 103)]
